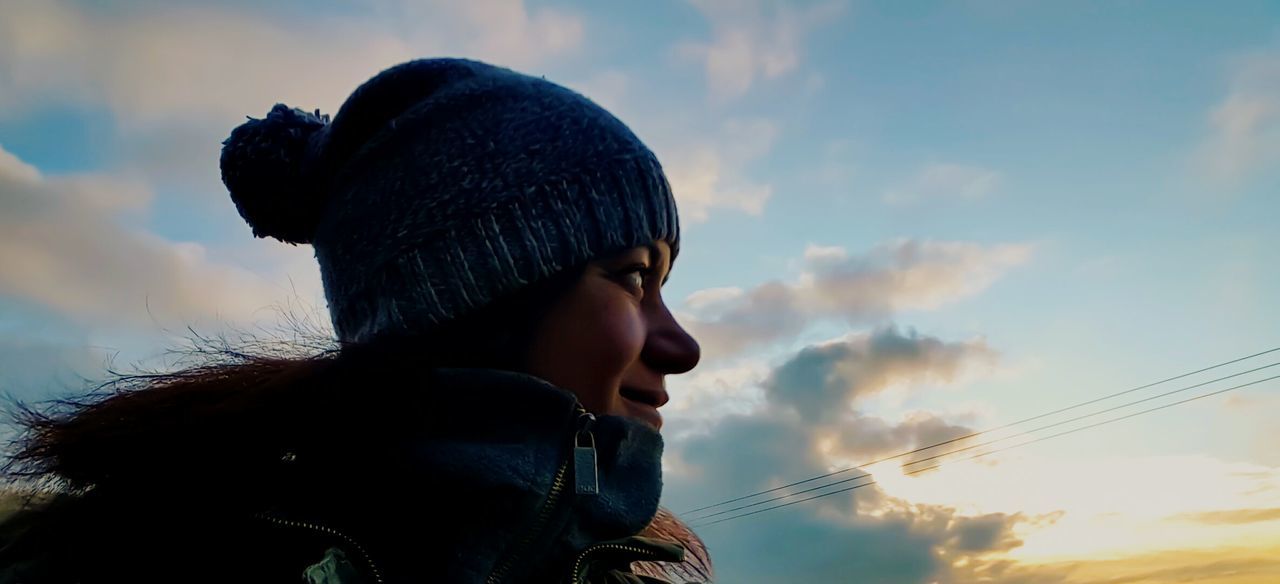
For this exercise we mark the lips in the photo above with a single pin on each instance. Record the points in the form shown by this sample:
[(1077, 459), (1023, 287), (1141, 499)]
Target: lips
[(651, 397), (644, 403)]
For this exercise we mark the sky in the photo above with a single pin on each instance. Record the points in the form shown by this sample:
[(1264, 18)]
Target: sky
[(902, 222)]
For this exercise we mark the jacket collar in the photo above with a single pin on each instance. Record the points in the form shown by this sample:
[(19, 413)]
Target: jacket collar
[(486, 476)]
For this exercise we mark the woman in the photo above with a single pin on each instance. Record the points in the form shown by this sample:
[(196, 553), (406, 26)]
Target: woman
[(492, 248)]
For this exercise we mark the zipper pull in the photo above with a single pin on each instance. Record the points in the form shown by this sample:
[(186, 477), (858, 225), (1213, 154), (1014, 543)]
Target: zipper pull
[(586, 481)]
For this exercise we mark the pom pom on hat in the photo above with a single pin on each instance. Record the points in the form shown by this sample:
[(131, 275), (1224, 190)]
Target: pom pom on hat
[(265, 168)]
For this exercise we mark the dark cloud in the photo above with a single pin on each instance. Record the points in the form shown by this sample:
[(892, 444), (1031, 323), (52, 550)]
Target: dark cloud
[(822, 381), (802, 548), (864, 534), (982, 534), (866, 437), (915, 545)]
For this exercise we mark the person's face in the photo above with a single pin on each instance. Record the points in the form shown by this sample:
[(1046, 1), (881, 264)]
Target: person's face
[(611, 340)]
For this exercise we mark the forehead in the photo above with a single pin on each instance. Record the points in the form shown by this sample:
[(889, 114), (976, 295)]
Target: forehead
[(658, 250), (659, 253)]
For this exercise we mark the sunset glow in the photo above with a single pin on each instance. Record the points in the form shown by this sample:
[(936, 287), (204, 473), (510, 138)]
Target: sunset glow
[(903, 223)]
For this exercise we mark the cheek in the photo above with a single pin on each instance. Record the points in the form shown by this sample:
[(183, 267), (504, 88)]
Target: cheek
[(611, 335), (589, 346)]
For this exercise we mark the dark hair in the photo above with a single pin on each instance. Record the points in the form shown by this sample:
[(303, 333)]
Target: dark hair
[(122, 426)]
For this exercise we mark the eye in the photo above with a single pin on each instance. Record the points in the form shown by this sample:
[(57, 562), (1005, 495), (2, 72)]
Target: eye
[(636, 275)]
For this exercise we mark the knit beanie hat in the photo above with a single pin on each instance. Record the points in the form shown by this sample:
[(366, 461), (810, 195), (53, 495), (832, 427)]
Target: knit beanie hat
[(442, 184)]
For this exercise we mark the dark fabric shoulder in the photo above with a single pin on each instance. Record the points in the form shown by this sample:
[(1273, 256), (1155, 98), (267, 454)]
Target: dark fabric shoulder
[(471, 476), (90, 540)]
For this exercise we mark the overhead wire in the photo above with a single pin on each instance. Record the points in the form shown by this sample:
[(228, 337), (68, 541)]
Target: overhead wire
[(982, 432), (981, 454), (987, 443), (1090, 415)]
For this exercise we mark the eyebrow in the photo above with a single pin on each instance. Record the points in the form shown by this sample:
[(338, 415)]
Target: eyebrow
[(656, 252)]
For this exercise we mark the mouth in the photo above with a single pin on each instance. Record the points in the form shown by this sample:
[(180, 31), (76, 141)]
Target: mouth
[(644, 403)]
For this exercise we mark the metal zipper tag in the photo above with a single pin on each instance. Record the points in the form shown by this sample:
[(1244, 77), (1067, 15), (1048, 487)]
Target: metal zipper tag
[(586, 480)]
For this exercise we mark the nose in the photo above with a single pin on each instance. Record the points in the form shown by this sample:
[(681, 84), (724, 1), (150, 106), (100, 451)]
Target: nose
[(669, 349)]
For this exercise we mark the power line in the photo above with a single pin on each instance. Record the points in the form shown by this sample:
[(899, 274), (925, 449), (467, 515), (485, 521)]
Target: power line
[(982, 432), (981, 454), (987, 443), (1090, 415)]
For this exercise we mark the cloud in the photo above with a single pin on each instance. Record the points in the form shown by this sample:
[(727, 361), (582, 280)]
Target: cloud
[(64, 247), (708, 297), (863, 437), (1251, 413), (704, 395), (705, 158), (189, 60), (184, 62), (177, 78), (945, 181), (708, 174), (1042, 528), (1226, 564), (753, 40), (1244, 128), (865, 531), (823, 381), (1232, 516), (813, 397), (507, 32), (914, 545), (608, 88), (891, 277)]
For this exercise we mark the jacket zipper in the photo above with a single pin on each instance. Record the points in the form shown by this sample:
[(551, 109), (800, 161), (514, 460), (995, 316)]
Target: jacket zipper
[(577, 573), (368, 561), (554, 498)]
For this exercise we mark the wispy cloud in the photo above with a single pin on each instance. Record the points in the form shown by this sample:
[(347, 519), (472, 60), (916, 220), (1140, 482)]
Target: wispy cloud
[(188, 59), (709, 174), (1221, 565), (609, 88), (938, 182), (1231, 516), (707, 158), (176, 78), (184, 62), (508, 32), (1244, 128), (892, 277), (754, 40)]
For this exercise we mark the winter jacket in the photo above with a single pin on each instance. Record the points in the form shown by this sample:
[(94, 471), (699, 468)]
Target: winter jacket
[(489, 476)]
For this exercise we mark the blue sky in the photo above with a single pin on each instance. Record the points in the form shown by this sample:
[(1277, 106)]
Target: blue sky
[(983, 210)]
